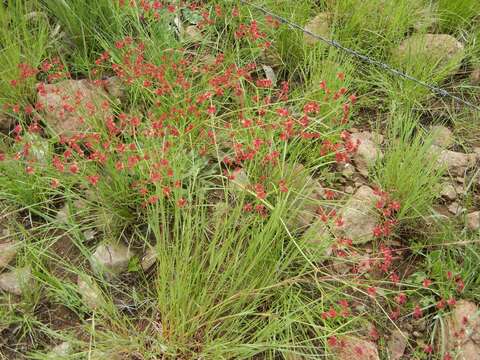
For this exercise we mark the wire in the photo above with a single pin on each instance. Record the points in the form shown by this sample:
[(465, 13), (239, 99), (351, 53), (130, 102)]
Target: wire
[(336, 44)]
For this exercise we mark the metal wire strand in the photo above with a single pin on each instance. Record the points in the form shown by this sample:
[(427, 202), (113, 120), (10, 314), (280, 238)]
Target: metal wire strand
[(364, 58)]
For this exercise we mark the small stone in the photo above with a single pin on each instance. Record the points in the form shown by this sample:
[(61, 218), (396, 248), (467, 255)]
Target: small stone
[(397, 344), (368, 151), (442, 136), (473, 221), (440, 50), (63, 349), (455, 208), (90, 292), (349, 189), (8, 251), (355, 348), (475, 77), (270, 74), (461, 335), (110, 259), (319, 25), (448, 191), (192, 33), (149, 259), (359, 217), (114, 87), (66, 102), (16, 280), (456, 163), (5, 122), (347, 170), (240, 180)]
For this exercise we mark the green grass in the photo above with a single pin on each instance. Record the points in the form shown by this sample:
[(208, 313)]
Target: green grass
[(246, 265)]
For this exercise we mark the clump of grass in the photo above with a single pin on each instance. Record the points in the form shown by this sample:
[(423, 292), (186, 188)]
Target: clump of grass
[(409, 170), (24, 41)]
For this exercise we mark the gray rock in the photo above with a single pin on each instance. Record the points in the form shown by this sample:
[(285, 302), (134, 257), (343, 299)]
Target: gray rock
[(111, 259), (8, 251), (448, 191), (240, 181), (192, 34), (440, 50), (475, 77), (473, 220), (368, 151), (442, 136), (350, 349), (347, 170), (60, 351), (397, 344), (359, 216), (455, 208), (456, 163), (149, 259), (319, 25), (16, 280), (115, 87), (462, 333), (90, 292), (5, 122), (67, 101)]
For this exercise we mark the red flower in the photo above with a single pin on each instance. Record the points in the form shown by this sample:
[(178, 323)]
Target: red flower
[(426, 283), (417, 312), (93, 179), (74, 168), (372, 291), (181, 202), (54, 183)]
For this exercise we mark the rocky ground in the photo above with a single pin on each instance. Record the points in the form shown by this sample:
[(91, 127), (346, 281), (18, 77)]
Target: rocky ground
[(100, 220)]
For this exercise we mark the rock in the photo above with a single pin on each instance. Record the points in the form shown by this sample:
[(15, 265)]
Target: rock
[(476, 151), (473, 220), (8, 251), (69, 102), (240, 180), (455, 208), (90, 292), (192, 34), (114, 87), (5, 122), (462, 331), (355, 348), (318, 235), (448, 191), (16, 280), (455, 162), (397, 344), (347, 170), (442, 136), (319, 25), (38, 151), (475, 77), (149, 259), (349, 189), (440, 50), (306, 209), (111, 259), (367, 153), (61, 350), (359, 217), (270, 74)]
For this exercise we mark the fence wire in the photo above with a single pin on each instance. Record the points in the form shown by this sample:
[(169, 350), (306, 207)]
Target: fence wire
[(434, 89)]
